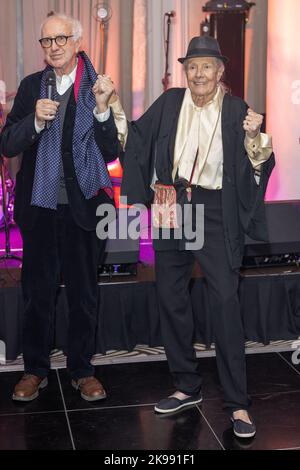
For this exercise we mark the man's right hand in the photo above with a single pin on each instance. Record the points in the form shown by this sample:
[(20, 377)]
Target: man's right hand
[(103, 90), (45, 110)]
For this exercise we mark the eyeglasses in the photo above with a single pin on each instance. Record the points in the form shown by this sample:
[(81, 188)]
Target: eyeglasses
[(46, 43)]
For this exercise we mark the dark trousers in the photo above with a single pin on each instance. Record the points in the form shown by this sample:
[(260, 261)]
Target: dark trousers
[(173, 273), (58, 248)]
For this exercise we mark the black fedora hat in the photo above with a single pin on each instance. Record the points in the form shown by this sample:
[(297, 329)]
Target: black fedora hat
[(203, 46)]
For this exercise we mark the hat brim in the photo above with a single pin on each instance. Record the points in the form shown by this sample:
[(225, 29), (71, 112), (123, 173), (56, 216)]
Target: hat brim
[(190, 56)]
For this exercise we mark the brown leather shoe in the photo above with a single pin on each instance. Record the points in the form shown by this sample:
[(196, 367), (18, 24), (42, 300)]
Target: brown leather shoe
[(90, 388), (28, 387)]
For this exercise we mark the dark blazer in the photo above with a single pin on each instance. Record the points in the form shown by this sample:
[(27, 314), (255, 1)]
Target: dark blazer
[(19, 136), (151, 141)]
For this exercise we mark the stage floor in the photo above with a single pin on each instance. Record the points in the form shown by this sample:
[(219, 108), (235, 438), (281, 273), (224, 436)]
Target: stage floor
[(60, 420), (135, 379)]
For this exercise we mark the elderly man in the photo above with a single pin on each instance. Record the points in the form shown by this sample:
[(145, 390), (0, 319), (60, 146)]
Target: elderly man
[(211, 141), (62, 181)]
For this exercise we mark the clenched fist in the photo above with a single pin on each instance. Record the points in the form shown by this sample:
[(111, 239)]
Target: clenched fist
[(103, 90), (252, 123), (45, 110)]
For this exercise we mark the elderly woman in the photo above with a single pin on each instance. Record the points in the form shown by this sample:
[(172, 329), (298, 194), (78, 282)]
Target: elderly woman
[(211, 141)]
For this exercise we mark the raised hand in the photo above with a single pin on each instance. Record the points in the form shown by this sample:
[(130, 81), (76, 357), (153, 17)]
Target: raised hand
[(252, 123), (103, 90)]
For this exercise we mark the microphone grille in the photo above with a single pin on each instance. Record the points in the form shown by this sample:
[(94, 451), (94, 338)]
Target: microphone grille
[(50, 77), (172, 13)]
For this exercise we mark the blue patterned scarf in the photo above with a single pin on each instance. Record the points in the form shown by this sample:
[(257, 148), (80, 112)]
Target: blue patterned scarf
[(91, 170)]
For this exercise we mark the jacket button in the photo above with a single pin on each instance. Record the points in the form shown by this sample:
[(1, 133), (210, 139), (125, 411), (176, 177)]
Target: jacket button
[(104, 128)]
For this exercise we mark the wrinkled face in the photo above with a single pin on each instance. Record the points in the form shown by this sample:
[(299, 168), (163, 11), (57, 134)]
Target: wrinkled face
[(61, 58), (203, 75)]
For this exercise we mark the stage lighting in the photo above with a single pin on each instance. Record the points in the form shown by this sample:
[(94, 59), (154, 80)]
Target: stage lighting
[(102, 13)]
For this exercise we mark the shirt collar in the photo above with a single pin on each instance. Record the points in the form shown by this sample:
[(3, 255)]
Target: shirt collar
[(71, 76)]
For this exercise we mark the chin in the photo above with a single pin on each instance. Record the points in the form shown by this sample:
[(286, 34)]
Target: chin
[(200, 91), (58, 65), (200, 94)]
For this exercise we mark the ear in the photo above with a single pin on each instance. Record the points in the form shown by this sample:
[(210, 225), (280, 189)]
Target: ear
[(221, 71), (78, 45)]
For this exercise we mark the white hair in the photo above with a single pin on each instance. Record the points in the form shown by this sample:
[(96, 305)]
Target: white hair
[(77, 29), (220, 62)]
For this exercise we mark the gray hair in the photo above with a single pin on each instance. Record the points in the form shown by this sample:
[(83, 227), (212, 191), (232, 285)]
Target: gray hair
[(77, 28)]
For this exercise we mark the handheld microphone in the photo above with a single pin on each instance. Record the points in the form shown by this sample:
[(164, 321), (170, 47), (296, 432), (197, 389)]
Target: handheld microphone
[(50, 85), (171, 14)]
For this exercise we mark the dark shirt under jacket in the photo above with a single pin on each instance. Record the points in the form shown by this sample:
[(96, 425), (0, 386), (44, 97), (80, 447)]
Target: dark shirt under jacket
[(63, 100)]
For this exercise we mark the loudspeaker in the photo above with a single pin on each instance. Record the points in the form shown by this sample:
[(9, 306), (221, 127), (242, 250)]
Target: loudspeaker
[(123, 244), (283, 248)]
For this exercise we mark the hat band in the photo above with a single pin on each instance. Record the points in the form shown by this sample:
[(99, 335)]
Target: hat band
[(203, 53)]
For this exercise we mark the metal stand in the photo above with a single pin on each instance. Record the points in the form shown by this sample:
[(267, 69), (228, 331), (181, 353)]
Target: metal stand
[(8, 255), (102, 14), (102, 48), (165, 80)]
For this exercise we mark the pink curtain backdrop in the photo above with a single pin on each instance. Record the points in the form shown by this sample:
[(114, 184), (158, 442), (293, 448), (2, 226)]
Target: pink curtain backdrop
[(283, 99), (135, 60), (139, 60)]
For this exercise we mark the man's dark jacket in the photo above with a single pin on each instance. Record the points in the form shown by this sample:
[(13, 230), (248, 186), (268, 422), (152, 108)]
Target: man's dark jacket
[(151, 141), (19, 137)]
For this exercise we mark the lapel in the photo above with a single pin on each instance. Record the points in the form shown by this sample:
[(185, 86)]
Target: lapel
[(228, 137), (165, 141), (173, 123), (36, 89)]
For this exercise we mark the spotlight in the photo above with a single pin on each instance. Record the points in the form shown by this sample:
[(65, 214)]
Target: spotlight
[(102, 13)]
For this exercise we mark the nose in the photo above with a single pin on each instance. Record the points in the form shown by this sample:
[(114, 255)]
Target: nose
[(54, 47), (199, 72)]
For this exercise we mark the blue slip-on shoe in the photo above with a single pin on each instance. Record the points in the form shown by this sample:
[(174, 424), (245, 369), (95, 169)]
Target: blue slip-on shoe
[(243, 429), (171, 404)]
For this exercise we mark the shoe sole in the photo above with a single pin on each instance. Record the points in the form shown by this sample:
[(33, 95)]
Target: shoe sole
[(85, 397), (171, 410), (42, 385), (245, 436)]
